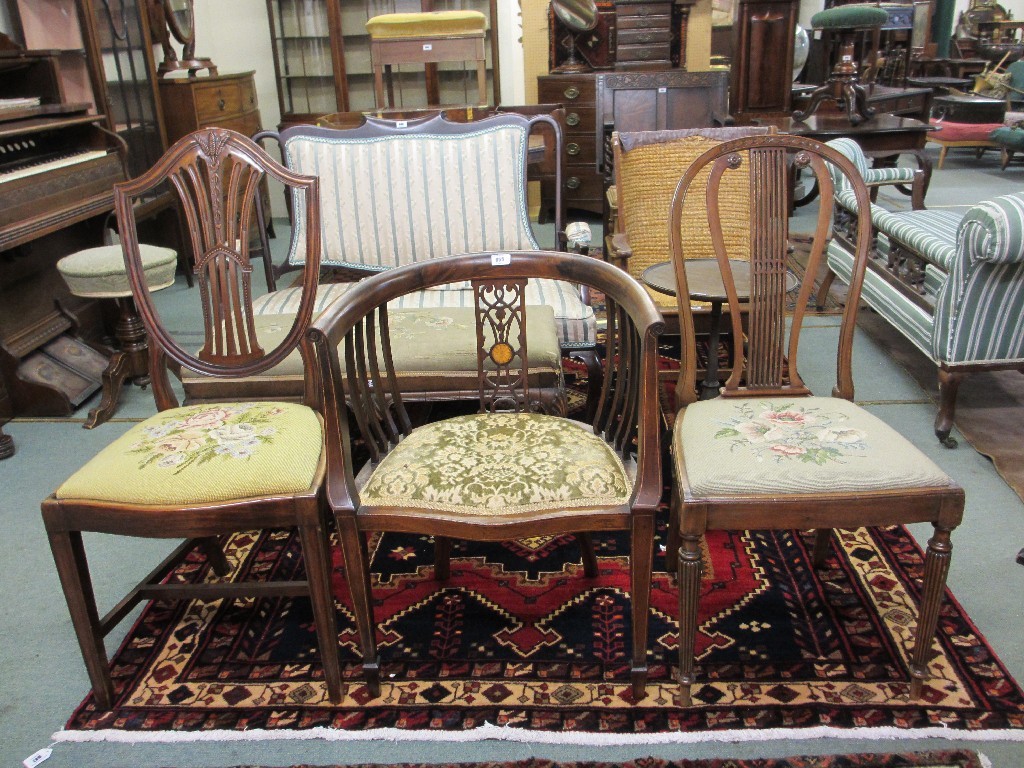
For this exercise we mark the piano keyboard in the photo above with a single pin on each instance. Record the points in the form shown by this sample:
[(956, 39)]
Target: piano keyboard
[(51, 165)]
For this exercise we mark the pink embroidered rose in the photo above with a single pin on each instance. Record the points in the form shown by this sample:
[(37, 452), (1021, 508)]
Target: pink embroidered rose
[(788, 450), (754, 431), (180, 443), (210, 418), (786, 418)]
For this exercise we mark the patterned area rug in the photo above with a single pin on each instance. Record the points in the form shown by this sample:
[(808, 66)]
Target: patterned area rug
[(519, 644), (956, 759)]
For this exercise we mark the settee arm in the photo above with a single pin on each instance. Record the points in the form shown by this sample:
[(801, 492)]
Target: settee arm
[(618, 249), (993, 231)]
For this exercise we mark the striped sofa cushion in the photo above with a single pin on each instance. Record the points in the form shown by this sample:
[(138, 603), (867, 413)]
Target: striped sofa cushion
[(395, 200), (980, 312), (574, 320), (932, 233), (871, 176)]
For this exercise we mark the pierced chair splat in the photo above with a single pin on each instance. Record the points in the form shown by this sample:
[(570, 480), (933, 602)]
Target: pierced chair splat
[(767, 453), (508, 471), (203, 472)]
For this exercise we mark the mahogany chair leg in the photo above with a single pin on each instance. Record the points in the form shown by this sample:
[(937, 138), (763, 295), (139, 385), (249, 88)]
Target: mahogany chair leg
[(690, 567), (640, 560), (826, 284), (315, 549), (672, 542), (73, 570), (586, 542), (822, 539), (936, 566), (595, 377), (357, 572), (214, 553), (442, 558), (949, 384)]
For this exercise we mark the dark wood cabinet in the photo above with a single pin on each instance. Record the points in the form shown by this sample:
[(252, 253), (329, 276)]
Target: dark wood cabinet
[(582, 186), (644, 34), (762, 64)]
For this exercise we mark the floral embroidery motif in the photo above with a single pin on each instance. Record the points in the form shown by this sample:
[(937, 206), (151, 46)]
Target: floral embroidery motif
[(784, 431), (206, 433), (497, 464)]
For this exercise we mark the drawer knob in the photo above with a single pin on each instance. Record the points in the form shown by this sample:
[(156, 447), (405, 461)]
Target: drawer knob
[(572, 119), (221, 104), (572, 148), (572, 92), (573, 182)]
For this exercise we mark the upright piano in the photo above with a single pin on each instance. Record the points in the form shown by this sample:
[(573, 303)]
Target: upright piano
[(58, 165)]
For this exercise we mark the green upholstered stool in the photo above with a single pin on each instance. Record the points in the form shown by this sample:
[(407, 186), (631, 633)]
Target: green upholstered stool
[(99, 273), (1010, 139), (843, 84), (426, 38)]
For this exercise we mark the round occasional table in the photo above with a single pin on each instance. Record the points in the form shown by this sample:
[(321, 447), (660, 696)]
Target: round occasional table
[(99, 273), (940, 83), (704, 281)]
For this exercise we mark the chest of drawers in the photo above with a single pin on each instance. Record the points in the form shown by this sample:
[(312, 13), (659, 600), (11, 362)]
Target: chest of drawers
[(644, 38), (582, 184), (226, 101)]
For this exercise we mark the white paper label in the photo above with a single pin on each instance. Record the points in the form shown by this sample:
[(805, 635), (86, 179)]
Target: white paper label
[(401, 124), (501, 259), (428, 46), (662, 89), (37, 757)]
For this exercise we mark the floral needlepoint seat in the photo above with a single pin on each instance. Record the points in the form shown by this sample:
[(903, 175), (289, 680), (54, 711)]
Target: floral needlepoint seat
[(192, 456), (810, 445), (518, 465)]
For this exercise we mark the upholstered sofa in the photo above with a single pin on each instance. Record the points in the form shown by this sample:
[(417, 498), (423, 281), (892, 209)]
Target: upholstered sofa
[(951, 283), (398, 192)]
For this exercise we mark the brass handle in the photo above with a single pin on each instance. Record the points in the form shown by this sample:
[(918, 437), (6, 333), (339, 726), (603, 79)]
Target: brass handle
[(573, 182), (221, 104), (572, 119), (572, 92), (572, 148)]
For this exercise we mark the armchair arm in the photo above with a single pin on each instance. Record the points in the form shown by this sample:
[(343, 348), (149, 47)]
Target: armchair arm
[(993, 231), (618, 249)]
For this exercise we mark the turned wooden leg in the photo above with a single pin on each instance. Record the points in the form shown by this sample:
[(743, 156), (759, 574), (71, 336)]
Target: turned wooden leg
[(357, 573), (822, 539), (640, 562), (949, 383), (589, 555), (73, 571), (316, 554), (442, 558), (130, 362), (942, 155), (936, 566)]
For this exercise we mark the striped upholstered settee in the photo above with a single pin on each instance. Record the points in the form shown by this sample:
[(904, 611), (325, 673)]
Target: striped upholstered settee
[(397, 192), (951, 283)]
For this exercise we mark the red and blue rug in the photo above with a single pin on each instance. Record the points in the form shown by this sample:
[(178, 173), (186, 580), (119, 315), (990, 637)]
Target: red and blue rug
[(519, 644)]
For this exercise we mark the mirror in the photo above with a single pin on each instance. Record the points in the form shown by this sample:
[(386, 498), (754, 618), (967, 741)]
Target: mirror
[(180, 20), (176, 18), (577, 16)]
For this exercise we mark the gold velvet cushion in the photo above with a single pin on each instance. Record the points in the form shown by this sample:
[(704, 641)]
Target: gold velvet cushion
[(499, 465), (428, 24), (204, 454), (739, 446), (100, 272)]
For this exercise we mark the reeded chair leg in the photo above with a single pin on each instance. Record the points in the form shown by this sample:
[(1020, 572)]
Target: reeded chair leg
[(315, 553), (936, 566), (357, 573), (641, 558), (690, 568), (73, 570)]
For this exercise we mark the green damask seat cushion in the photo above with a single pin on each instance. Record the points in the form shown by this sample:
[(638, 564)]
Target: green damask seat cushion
[(204, 454), (498, 465), (740, 446)]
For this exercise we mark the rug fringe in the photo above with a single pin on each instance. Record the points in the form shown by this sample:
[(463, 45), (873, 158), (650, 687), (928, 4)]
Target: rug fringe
[(501, 733)]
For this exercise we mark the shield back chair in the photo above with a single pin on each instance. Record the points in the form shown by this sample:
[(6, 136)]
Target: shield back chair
[(951, 283), (396, 192), (766, 453), (206, 471), (506, 472)]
